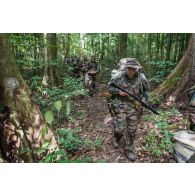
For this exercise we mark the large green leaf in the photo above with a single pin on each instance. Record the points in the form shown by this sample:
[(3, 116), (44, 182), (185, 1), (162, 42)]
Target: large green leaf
[(49, 117), (58, 105)]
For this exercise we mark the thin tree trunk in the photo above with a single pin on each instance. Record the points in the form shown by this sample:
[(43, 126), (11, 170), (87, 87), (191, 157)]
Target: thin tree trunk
[(181, 48), (169, 45), (51, 76), (67, 45), (123, 45), (149, 46), (157, 45), (102, 47), (81, 45), (176, 48), (108, 47), (161, 47), (92, 44), (37, 48)]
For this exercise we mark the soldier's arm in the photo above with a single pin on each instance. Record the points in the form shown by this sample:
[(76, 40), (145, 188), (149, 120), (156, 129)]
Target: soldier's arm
[(112, 89)]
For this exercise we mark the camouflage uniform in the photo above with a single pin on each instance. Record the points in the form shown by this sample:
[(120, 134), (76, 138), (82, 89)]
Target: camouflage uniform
[(76, 67), (90, 78), (191, 95), (125, 109), (73, 66)]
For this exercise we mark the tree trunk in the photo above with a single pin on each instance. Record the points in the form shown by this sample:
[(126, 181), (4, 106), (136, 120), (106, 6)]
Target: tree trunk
[(181, 48), (123, 45), (68, 45), (181, 79), (51, 76), (108, 47), (149, 46), (102, 47), (81, 45), (37, 48), (157, 45), (21, 122), (192, 71), (176, 48), (92, 44), (161, 47), (168, 49)]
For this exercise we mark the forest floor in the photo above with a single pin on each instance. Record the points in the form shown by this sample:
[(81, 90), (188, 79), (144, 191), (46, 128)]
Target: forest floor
[(91, 116)]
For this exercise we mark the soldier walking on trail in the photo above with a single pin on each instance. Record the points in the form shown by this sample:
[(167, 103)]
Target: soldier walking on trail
[(191, 95), (90, 76), (125, 109)]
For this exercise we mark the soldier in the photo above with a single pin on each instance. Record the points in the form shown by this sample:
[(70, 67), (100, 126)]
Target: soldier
[(191, 95), (84, 65), (91, 71), (76, 67), (73, 66), (121, 64), (125, 109)]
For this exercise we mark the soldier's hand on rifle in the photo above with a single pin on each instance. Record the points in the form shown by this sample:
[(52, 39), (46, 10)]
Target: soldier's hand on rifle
[(121, 93)]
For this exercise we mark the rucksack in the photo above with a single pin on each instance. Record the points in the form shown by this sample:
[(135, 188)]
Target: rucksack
[(184, 146)]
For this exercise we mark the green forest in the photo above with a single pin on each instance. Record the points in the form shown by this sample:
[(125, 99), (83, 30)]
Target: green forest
[(54, 98)]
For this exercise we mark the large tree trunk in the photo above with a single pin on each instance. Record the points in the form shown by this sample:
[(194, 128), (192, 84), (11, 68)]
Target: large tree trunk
[(21, 122), (181, 79), (51, 76)]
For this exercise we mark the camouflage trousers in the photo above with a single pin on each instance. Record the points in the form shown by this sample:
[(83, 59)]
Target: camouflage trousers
[(192, 113), (90, 82), (125, 120)]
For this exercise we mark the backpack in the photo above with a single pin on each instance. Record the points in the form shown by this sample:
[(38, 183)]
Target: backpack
[(184, 146)]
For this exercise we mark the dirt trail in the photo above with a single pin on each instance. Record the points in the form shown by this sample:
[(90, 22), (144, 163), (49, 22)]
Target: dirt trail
[(92, 118)]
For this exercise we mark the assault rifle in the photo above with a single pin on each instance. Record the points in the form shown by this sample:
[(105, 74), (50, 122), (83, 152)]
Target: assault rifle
[(136, 98)]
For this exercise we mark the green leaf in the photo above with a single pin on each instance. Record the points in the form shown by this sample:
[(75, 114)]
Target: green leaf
[(49, 117), (68, 108), (45, 144), (58, 105)]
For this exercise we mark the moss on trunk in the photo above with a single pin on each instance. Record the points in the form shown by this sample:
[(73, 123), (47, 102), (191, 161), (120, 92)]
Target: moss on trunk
[(21, 120), (178, 81)]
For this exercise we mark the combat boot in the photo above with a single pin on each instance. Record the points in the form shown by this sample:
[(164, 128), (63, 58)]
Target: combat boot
[(129, 150), (192, 127), (115, 142), (130, 155)]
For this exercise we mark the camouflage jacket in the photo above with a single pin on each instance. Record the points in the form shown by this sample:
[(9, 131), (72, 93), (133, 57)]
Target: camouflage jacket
[(91, 66), (138, 86)]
